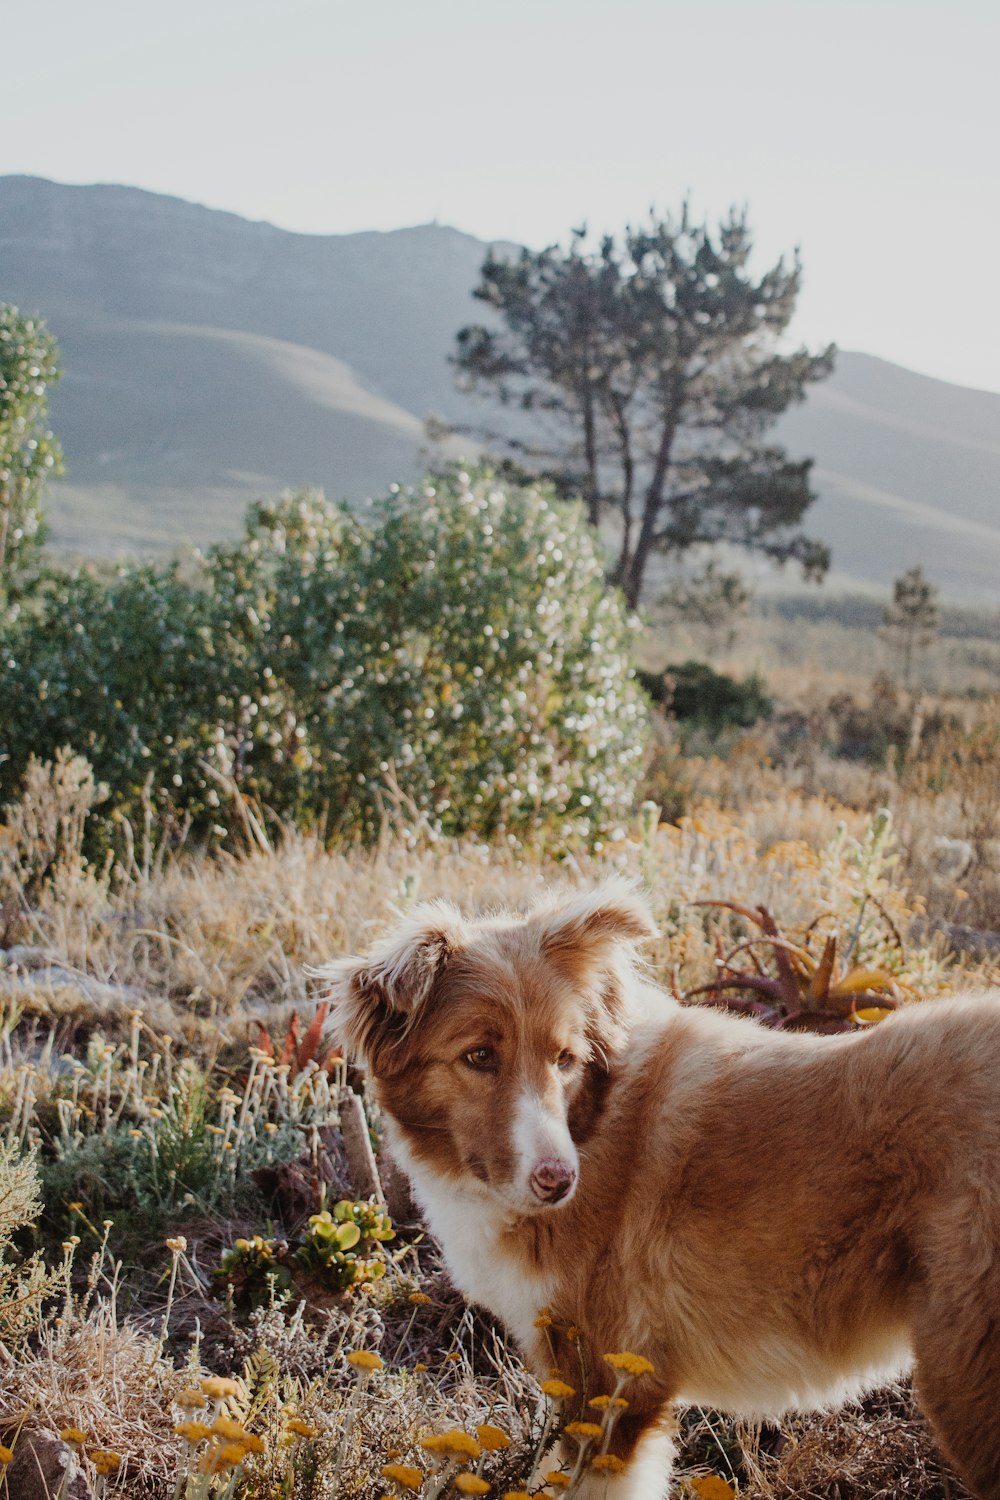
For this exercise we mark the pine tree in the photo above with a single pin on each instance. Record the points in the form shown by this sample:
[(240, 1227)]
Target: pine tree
[(644, 376), (910, 623)]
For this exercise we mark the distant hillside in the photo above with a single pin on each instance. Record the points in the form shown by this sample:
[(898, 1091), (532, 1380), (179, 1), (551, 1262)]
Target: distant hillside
[(210, 360)]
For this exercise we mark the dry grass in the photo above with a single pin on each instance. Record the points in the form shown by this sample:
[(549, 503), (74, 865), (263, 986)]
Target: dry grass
[(206, 946)]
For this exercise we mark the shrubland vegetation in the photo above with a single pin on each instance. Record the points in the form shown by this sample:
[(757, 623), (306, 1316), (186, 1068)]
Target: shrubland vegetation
[(219, 772)]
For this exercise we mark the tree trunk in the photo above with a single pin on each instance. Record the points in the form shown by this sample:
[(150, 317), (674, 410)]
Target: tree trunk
[(652, 504)]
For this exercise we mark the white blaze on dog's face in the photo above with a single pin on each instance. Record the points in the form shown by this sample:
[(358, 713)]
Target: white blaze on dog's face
[(490, 1041)]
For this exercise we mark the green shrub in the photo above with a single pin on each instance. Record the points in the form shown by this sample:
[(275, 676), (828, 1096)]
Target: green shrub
[(455, 658), (696, 694), (24, 1284)]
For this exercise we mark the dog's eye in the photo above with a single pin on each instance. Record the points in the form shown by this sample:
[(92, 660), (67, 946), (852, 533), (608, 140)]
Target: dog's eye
[(565, 1059), (482, 1059)]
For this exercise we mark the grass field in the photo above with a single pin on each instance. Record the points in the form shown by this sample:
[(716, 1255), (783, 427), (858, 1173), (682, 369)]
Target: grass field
[(157, 1054)]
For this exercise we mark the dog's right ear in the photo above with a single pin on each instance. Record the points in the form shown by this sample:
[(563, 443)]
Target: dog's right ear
[(376, 999)]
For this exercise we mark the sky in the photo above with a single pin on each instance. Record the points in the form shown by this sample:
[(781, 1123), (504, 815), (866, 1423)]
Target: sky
[(865, 134)]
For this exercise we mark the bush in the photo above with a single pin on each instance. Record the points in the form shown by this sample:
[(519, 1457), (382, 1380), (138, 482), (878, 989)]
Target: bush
[(457, 659), (698, 695)]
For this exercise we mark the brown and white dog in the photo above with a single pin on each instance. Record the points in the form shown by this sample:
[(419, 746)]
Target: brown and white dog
[(774, 1220)]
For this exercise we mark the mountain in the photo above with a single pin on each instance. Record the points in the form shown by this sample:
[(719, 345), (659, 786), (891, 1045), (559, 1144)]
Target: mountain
[(209, 360)]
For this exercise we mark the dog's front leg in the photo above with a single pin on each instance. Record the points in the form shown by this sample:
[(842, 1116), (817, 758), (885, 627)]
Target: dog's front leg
[(646, 1475)]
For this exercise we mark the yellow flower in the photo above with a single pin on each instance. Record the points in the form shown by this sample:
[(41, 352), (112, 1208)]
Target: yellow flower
[(711, 1487), (557, 1480), (73, 1435), (558, 1390), (228, 1428), (543, 1321), (419, 1299), (573, 1333), (515, 1495), (609, 1462), (471, 1484), (252, 1442), (232, 1455), (630, 1364), (404, 1474), (601, 1403), (6, 1455), (190, 1399), (453, 1442), (218, 1387), (302, 1429), (105, 1460), (177, 1245), (364, 1359), (454, 1356), (492, 1438), (419, 1369), (585, 1430), (193, 1432)]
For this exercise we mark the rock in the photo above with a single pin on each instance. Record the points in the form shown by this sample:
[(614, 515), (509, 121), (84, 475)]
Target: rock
[(950, 858), (42, 1463)]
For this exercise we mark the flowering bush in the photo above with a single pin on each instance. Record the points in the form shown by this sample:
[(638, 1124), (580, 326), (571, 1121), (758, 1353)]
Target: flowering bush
[(455, 658)]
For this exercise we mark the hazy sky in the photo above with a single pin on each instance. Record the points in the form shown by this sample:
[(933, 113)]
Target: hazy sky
[(866, 133)]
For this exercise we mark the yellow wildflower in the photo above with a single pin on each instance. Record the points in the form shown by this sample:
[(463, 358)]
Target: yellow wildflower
[(629, 1364), (419, 1369), (302, 1429), (230, 1429), (232, 1455), (193, 1432), (471, 1484), (454, 1442), (405, 1474), (6, 1454), (585, 1430), (712, 1487), (105, 1460), (609, 1462), (178, 1245), (419, 1299), (557, 1480), (601, 1403), (573, 1333), (543, 1321), (558, 1390), (218, 1387), (190, 1399), (454, 1356), (492, 1438), (365, 1360), (73, 1435)]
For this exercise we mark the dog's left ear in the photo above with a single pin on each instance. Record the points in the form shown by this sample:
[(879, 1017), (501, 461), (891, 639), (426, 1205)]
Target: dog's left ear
[(580, 932), (376, 999)]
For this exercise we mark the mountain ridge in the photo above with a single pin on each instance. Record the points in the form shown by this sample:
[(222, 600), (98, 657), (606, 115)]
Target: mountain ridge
[(210, 359)]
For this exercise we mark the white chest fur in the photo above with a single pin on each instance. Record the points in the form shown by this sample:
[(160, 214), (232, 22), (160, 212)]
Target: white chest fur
[(470, 1231)]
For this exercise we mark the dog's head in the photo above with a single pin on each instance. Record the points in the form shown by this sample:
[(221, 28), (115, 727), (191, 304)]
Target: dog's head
[(491, 1041)]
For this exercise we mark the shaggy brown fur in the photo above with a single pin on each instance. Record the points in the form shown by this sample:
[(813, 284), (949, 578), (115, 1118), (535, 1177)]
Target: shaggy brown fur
[(773, 1220)]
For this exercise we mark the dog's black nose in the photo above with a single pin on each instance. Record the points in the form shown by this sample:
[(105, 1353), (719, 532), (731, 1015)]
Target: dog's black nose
[(552, 1180)]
